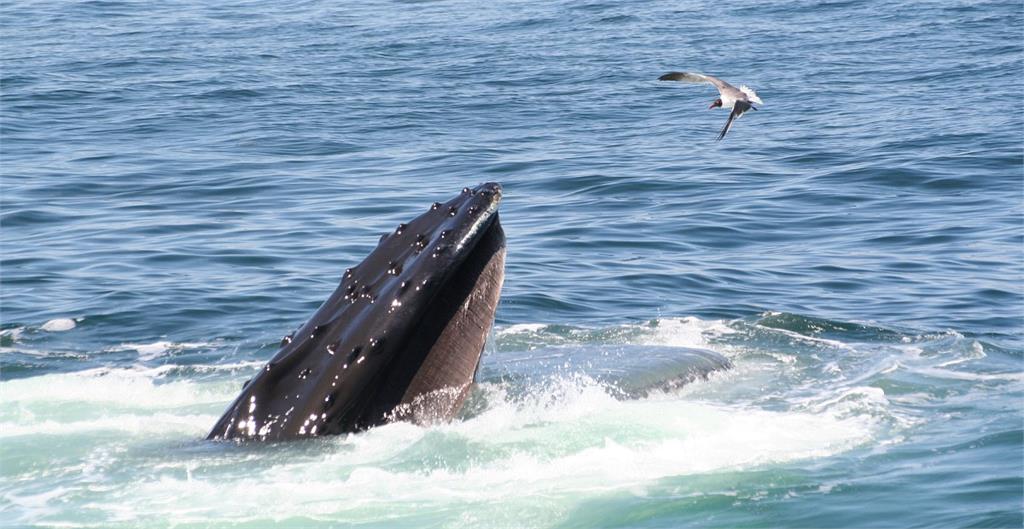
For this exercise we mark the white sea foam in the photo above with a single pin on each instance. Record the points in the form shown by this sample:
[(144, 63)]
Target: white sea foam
[(686, 332), (963, 375), (807, 339), (140, 424), (520, 328), (521, 460), (38, 502), (14, 334), (151, 351), (248, 365), (575, 440), (567, 438), (125, 388)]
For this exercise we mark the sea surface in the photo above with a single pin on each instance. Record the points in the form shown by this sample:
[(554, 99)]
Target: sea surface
[(182, 183)]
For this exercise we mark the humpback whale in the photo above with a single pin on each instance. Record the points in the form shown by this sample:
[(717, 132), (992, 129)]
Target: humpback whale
[(399, 339), (401, 336)]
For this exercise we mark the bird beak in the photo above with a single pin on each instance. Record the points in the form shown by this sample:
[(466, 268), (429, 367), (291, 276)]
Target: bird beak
[(712, 106)]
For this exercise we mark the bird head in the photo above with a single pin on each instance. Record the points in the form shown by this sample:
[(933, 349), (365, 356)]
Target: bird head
[(716, 104)]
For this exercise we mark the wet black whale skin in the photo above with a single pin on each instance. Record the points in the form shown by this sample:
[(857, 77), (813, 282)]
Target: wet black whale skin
[(400, 337)]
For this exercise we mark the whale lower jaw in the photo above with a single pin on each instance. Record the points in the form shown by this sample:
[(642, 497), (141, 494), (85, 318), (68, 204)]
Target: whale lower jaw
[(433, 387)]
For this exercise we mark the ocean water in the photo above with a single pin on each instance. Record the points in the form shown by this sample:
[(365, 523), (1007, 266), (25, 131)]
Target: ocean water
[(182, 183)]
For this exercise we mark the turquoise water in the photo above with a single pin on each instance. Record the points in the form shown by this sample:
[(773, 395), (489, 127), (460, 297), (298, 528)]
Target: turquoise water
[(183, 184)]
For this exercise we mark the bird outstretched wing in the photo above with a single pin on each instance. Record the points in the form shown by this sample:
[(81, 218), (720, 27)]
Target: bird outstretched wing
[(693, 77)]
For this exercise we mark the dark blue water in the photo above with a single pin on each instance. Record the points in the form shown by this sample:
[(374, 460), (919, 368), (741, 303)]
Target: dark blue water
[(181, 184)]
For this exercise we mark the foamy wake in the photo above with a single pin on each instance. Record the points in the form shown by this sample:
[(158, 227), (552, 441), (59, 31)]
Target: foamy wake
[(523, 456), (132, 401), (586, 446), (677, 332), (568, 438)]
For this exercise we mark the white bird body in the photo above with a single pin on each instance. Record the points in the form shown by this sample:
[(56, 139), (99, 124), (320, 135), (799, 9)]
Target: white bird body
[(728, 100), (737, 100)]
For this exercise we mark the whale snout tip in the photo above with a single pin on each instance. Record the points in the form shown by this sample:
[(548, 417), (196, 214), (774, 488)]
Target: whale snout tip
[(489, 188), (490, 191)]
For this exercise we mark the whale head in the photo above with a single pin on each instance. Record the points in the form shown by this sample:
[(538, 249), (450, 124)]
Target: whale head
[(399, 339)]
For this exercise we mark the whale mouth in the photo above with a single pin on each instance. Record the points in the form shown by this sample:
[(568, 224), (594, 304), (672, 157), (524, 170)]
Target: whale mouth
[(399, 339)]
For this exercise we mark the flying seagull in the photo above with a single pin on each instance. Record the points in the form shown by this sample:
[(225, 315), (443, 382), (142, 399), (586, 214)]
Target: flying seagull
[(739, 100)]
